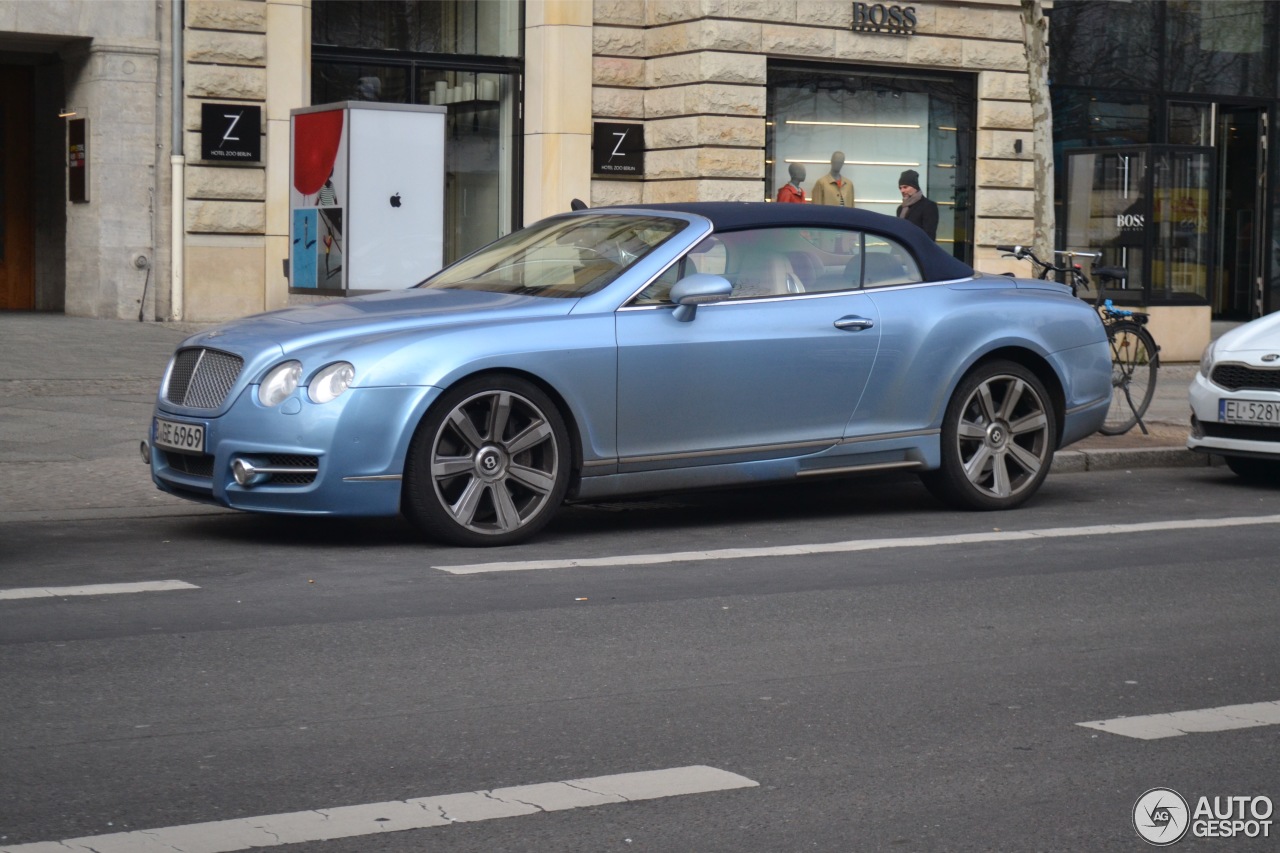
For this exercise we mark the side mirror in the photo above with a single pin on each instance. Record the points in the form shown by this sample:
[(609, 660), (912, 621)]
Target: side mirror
[(698, 289)]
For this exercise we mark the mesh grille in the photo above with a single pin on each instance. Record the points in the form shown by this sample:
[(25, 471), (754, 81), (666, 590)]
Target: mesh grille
[(196, 466), (1238, 376), (301, 478), (202, 378)]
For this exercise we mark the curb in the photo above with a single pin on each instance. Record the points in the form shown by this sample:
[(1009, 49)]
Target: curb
[(1076, 461)]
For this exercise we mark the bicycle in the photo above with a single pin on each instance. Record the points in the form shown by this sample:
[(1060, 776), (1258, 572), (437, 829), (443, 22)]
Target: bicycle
[(1135, 357)]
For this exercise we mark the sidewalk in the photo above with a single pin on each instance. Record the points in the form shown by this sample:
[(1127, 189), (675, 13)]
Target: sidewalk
[(75, 400), (76, 397)]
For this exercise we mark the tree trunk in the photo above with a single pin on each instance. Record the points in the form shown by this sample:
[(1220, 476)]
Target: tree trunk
[(1035, 37)]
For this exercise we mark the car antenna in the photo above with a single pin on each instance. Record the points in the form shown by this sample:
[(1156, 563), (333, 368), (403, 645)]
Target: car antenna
[(577, 204)]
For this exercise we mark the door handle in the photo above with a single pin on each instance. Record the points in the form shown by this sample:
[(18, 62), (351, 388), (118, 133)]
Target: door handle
[(853, 323)]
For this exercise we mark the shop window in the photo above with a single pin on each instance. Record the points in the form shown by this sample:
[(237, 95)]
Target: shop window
[(1100, 43), (460, 54), (1221, 48), (1087, 119), (1148, 210), (461, 27), (1190, 124), (883, 125)]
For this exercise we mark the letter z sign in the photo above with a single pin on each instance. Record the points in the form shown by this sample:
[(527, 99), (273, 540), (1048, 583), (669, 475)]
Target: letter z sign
[(617, 150), (231, 133)]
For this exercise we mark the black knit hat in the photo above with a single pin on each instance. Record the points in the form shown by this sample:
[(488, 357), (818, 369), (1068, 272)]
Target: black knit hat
[(909, 178)]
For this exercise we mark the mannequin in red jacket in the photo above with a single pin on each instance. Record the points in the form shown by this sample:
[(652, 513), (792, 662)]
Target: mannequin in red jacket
[(793, 192)]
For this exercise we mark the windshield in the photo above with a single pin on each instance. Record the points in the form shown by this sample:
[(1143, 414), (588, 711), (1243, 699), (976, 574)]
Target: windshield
[(562, 258)]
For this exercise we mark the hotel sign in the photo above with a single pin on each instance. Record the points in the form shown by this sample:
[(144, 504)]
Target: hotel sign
[(231, 133), (617, 150)]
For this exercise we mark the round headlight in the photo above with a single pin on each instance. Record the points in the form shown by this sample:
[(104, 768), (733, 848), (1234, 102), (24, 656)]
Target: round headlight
[(280, 383), (331, 381)]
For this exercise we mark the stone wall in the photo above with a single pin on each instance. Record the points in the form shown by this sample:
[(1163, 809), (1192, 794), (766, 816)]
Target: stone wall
[(225, 209), (693, 72)]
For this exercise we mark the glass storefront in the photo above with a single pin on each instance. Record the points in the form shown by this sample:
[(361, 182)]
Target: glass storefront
[(883, 123), (461, 54), (1177, 73), (1149, 211)]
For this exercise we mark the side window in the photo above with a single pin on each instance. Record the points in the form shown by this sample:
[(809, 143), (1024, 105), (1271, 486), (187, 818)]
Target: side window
[(707, 257), (790, 261), (659, 290), (768, 262), (887, 262)]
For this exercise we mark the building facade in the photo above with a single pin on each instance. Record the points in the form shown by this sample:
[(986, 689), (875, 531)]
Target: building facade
[(122, 198)]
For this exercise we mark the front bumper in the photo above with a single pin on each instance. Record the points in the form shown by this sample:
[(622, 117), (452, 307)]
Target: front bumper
[(1210, 435), (345, 457)]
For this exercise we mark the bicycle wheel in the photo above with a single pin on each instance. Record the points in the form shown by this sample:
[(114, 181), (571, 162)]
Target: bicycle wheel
[(1134, 362)]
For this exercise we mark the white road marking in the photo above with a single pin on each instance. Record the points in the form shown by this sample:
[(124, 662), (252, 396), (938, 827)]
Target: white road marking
[(227, 836), (94, 589), (1178, 723), (861, 545)]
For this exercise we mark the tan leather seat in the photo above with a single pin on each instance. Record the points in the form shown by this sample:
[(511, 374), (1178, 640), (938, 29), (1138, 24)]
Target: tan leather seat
[(807, 265), (766, 275)]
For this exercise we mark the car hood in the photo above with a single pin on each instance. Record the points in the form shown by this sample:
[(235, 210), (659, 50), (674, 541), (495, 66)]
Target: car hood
[(376, 314), (1261, 334)]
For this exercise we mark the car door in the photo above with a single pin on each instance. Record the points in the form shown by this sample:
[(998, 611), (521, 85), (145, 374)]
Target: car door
[(777, 370)]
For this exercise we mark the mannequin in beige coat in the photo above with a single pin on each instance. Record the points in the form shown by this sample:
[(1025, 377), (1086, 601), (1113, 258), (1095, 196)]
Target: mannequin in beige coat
[(832, 188)]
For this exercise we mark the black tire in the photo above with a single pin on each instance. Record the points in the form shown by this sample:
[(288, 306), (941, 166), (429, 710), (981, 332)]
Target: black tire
[(488, 465), (998, 437), (1135, 361), (1254, 470)]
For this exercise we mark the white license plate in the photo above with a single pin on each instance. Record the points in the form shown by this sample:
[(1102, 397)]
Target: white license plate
[(187, 438), (1249, 412)]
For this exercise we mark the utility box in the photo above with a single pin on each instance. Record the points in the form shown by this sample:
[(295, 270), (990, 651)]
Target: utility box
[(366, 196)]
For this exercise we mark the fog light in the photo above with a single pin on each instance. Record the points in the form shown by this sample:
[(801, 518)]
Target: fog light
[(145, 449), (243, 471)]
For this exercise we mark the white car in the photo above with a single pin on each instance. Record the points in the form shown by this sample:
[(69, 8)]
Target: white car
[(1235, 400)]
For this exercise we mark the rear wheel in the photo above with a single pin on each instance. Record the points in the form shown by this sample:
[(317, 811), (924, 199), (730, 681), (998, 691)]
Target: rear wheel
[(1255, 470), (489, 464), (998, 437), (1134, 362)]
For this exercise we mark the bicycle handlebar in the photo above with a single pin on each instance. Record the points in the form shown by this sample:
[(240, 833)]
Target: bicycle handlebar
[(1078, 278)]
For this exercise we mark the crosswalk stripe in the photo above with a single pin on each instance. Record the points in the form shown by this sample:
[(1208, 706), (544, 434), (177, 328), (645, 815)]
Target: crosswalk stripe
[(1178, 723), (861, 545), (228, 836), (94, 589)]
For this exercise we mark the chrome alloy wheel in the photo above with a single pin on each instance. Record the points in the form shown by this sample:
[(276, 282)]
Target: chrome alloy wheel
[(1004, 436), (495, 462)]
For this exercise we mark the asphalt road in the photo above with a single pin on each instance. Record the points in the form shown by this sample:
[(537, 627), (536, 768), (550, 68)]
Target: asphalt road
[(918, 693)]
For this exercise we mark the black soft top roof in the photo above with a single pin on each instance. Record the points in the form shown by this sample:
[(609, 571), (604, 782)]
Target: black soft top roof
[(935, 263)]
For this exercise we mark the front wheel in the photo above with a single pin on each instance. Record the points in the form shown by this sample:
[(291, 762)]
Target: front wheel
[(998, 437), (1254, 470), (489, 464), (1134, 362)]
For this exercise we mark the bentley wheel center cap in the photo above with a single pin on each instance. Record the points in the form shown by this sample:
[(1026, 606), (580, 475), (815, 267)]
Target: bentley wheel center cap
[(491, 463), (997, 435)]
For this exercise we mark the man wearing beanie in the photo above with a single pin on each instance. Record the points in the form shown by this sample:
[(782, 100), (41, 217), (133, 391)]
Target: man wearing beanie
[(915, 208)]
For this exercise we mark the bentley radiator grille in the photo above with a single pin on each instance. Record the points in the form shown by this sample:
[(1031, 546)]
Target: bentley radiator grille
[(1238, 376), (202, 378)]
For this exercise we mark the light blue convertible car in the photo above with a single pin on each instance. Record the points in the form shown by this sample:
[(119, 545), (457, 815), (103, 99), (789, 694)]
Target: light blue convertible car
[(623, 351)]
